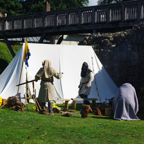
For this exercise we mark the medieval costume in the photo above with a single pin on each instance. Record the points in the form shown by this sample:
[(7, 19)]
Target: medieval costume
[(47, 92), (125, 104), (86, 79)]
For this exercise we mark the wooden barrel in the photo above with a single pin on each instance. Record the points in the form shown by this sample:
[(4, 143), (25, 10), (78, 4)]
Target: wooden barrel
[(108, 111)]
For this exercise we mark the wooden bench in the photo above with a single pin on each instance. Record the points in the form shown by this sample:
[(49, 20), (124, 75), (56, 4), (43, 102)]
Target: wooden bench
[(81, 99), (66, 102)]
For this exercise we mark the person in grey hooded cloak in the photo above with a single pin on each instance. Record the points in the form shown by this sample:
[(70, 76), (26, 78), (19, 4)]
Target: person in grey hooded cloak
[(125, 104)]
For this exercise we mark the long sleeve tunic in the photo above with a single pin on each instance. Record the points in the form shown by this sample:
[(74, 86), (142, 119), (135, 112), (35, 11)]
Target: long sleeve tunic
[(86, 81), (47, 92)]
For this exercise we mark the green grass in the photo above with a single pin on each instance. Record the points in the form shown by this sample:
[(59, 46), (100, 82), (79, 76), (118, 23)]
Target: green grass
[(29, 127), (5, 55)]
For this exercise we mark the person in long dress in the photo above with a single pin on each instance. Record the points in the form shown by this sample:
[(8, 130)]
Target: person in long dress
[(85, 83), (125, 104), (47, 92)]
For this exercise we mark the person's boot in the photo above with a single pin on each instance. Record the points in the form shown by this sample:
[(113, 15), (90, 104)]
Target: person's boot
[(51, 114), (41, 112), (45, 111), (50, 108)]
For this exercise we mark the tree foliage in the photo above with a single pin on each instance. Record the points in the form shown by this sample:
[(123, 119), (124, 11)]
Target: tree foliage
[(32, 6), (67, 4), (17, 7), (11, 7), (105, 2)]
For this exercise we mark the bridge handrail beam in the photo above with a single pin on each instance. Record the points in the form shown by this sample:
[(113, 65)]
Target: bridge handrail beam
[(125, 11)]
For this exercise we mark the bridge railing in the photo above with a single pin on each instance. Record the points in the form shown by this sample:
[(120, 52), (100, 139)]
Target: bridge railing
[(73, 18), (133, 10), (115, 14), (27, 22)]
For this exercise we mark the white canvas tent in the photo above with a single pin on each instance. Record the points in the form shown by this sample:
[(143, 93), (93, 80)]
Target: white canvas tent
[(66, 59)]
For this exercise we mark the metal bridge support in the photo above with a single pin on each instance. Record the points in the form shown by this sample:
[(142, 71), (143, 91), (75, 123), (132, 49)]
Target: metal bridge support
[(42, 38), (9, 46), (60, 40)]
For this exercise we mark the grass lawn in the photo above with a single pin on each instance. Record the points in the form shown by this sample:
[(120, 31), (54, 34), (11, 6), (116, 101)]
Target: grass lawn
[(29, 127)]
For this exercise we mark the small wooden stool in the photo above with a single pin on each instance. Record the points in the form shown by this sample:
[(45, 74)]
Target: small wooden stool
[(66, 102)]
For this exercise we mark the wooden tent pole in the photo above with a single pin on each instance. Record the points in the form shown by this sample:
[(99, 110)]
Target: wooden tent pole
[(21, 71), (20, 78)]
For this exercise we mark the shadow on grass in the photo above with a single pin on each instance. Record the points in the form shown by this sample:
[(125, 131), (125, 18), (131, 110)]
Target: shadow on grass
[(78, 106), (77, 115), (99, 117), (3, 65), (141, 115)]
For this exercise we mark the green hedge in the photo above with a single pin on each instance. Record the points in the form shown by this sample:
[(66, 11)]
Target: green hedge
[(5, 55)]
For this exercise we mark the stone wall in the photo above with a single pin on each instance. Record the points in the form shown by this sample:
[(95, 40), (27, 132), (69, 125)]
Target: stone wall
[(122, 54)]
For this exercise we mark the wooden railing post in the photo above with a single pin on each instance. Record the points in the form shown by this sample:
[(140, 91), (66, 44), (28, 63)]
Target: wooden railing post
[(80, 17), (96, 16), (67, 18), (32, 21), (123, 13), (3, 25), (142, 16), (107, 15), (139, 11), (43, 21), (12, 24), (110, 15), (93, 16), (22, 23), (55, 20)]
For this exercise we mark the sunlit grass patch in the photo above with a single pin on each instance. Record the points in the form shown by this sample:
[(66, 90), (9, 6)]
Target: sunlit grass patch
[(31, 127)]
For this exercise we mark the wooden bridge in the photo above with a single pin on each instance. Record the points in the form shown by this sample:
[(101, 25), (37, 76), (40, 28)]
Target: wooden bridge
[(72, 21), (104, 18)]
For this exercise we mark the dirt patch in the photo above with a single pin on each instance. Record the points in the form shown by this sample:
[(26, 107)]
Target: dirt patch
[(134, 135), (117, 135), (30, 137), (100, 134)]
